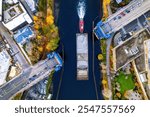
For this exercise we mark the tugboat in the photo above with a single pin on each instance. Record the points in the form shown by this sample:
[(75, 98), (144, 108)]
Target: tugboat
[(81, 25)]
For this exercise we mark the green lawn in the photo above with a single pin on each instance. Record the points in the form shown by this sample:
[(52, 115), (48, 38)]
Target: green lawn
[(126, 82)]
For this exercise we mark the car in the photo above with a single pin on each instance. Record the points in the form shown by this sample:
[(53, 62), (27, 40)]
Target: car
[(139, 3), (127, 11), (119, 17), (11, 51), (122, 14), (29, 82), (24, 85), (8, 46), (45, 81), (32, 78), (115, 19)]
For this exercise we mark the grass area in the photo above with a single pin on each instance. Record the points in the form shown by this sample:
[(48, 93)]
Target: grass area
[(18, 96), (50, 79), (126, 82), (103, 48)]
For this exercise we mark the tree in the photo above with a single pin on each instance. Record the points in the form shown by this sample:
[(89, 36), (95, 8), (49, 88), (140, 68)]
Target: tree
[(104, 82), (43, 6), (35, 18), (118, 95), (100, 57), (47, 33), (50, 20), (40, 48)]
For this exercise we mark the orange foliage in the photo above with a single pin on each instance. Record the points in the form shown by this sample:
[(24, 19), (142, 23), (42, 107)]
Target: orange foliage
[(50, 20), (40, 48)]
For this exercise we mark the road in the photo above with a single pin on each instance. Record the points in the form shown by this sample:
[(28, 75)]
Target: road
[(19, 55), (136, 10), (25, 80)]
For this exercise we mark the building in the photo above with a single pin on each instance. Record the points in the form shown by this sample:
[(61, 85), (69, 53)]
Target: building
[(130, 49), (119, 1), (31, 4), (11, 1), (16, 17), (1, 9), (132, 95), (123, 17), (147, 64), (4, 65), (23, 35), (147, 56)]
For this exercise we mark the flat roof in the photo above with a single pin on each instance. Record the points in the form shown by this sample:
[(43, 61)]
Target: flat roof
[(23, 34), (11, 1), (130, 49), (1, 10), (20, 19), (147, 54), (4, 65), (31, 4)]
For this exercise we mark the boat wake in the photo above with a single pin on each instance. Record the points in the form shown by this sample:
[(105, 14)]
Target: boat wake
[(81, 9)]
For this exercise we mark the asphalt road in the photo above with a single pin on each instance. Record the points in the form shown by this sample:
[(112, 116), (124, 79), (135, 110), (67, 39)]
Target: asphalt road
[(23, 81), (135, 12)]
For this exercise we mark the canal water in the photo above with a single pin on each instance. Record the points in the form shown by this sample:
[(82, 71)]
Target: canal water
[(68, 24)]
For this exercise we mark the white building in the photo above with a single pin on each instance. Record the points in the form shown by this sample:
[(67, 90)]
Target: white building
[(31, 4), (11, 1), (132, 95), (143, 78), (16, 16), (1, 10), (4, 65)]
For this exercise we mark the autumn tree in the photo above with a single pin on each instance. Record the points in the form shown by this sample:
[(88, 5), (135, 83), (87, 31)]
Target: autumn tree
[(100, 57)]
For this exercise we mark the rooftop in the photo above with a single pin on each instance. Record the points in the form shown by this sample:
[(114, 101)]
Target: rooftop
[(31, 4), (15, 16), (1, 10), (11, 1), (23, 35), (130, 49), (4, 65), (147, 55)]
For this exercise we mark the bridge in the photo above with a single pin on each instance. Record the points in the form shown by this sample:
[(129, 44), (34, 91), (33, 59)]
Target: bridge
[(121, 18), (30, 76)]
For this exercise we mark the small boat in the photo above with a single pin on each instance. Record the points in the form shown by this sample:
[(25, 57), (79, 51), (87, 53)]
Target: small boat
[(81, 25)]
